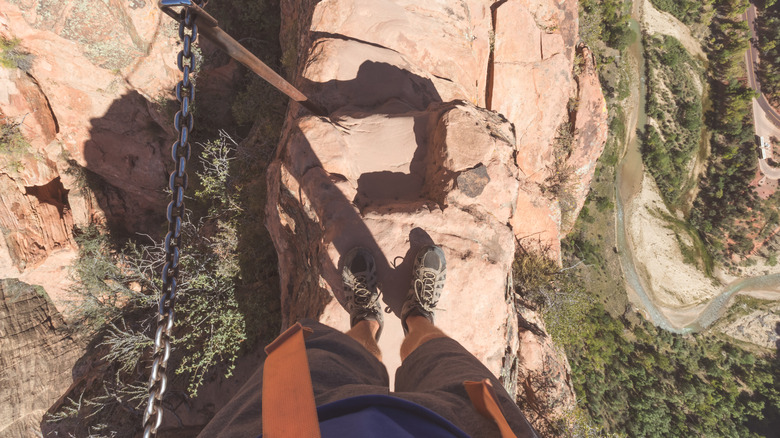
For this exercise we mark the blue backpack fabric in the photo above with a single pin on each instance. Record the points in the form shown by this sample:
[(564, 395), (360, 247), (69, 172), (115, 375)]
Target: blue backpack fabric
[(381, 416)]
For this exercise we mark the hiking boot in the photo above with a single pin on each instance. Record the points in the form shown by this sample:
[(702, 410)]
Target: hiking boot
[(360, 288), (428, 275)]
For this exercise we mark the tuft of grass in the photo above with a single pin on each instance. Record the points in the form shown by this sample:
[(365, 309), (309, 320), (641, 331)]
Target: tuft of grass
[(12, 56), (13, 145)]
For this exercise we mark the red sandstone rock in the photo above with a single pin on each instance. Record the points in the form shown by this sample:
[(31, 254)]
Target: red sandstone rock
[(37, 357), (544, 384), (590, 131), (85, 97), (396, 154)]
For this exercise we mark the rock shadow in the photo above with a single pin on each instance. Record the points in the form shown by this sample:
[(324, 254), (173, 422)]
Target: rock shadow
[(378, 89), (398, 191), (126, 165)]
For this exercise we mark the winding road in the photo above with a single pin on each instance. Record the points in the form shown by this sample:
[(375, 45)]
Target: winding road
[(765, 119), (691, 317)]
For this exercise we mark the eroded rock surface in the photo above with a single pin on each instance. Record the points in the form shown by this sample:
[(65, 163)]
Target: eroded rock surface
[(761, 327), (408, 156), (82, 100), (544, 387), (37, 358)]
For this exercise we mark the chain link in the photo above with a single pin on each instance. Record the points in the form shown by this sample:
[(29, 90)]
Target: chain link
[(180, 152)]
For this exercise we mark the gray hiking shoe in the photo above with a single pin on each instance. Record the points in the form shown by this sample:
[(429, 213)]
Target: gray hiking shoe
[(360, 288), (428, 275)]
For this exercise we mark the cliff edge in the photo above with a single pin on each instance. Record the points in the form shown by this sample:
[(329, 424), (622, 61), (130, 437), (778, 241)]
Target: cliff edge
[(473, 125)]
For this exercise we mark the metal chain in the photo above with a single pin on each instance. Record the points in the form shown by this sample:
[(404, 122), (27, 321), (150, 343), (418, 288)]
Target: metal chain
[(180, 151)]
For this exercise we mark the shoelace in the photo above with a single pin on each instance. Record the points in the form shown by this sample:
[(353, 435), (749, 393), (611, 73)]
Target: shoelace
[(426, 291), (362, 296)]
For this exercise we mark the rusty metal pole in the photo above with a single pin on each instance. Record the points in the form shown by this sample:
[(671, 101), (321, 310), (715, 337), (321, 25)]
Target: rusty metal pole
[(208, 27)]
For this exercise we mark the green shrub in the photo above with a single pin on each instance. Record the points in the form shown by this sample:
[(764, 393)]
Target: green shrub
[(541, 283), (114, 287), (12, 56), (13, 145)]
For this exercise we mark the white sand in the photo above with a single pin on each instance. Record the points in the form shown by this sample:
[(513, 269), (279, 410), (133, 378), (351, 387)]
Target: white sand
[(657, 253), (655, 21)]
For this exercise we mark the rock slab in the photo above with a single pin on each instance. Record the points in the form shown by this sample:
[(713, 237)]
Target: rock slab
[(408, 155), (37, 357)]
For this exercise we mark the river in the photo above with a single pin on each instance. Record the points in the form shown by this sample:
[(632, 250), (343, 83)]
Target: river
[(627, 185)]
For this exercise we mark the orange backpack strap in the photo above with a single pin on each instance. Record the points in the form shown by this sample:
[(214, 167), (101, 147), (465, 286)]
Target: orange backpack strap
[(288, 398), (484, 399)]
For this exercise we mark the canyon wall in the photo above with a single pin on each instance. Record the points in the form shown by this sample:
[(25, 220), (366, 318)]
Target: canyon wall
[(471, 124), (87, 94), (84, 99), (36, 360)]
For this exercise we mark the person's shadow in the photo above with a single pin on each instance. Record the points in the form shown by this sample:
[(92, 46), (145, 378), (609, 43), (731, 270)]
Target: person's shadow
[(378, 89)]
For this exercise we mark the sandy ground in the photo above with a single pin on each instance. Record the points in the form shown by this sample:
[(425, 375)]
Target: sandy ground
[(758, 328), (679, 290), (655, 21), (657, 253)]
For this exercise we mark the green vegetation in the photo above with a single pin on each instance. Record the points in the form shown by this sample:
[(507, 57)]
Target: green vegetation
[(116, 289), (542, 285), (689, 12), (643, 381), (632, 378), (559, 183), (727, 211), (12, 56), (113, 287), (11, 140), (228, 298), (768, 29), (675, 105), (692, 246), (605, 21), (743, 305), (12, 145), (593, 236)]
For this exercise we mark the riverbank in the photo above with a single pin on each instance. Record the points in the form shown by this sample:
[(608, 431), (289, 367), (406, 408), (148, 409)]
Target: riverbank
[(671, 289)]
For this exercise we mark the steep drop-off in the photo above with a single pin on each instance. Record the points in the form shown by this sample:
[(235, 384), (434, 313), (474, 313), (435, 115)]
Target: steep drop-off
[(407, 157)]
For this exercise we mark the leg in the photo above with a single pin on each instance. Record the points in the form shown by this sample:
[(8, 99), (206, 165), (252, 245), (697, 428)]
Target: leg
[(433, 374), (365, 333), (420, 331), (435, 366), (340, 368)]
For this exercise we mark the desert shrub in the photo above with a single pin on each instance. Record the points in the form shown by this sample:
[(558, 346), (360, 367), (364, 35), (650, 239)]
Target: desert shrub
[(117, 286), (542, 284), (12, 56), (12, 144)]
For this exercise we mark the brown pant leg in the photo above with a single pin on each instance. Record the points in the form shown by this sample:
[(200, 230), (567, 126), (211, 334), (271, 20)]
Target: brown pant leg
[(433, 376)]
